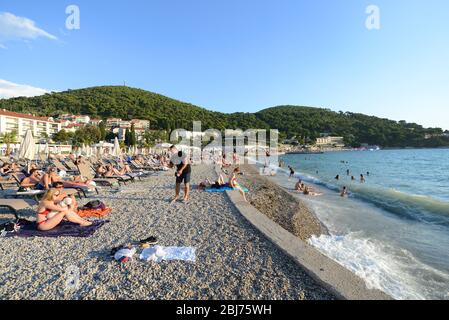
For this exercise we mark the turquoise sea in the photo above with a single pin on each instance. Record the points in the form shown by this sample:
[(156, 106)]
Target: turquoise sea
[(393, 230)]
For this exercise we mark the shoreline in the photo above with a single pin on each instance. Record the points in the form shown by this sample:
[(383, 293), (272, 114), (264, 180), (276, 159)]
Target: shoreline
[(280, 205), (330, 274)]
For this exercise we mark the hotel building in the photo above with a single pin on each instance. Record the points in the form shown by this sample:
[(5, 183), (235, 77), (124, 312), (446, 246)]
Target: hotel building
[(21, 123)]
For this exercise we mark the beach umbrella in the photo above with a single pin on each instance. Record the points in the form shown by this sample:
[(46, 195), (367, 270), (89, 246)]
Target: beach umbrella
[(163, 146), (27, 149), (46, 149), (116, 151)]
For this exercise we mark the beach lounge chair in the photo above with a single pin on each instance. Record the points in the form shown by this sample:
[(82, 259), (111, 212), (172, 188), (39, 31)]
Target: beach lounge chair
[(72, 167), (86, 172), (35, 194), (122, 179), (58, 164), (5, 184), (15, 205)]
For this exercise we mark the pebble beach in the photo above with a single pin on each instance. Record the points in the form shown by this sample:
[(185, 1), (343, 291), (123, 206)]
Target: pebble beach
[(233, 260)]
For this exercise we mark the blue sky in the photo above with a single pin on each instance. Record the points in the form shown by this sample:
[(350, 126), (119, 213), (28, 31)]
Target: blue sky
[(238, 55)]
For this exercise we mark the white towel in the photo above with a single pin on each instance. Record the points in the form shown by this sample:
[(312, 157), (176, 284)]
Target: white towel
[(158, 254), (125, 253)]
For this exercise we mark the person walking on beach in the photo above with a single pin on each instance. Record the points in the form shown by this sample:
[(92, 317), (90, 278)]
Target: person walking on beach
[(180, 160)]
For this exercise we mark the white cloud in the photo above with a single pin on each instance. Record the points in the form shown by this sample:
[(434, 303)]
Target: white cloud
[(12, 90), (20, 28)]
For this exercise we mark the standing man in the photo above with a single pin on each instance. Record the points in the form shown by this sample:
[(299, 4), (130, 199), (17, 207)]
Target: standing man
[(180, 160)]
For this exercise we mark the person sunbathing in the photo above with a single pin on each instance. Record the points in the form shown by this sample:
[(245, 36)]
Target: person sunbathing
[(233, 183), (220, 183), (32, 181), (6, 170), (111, 171), (100, 171), (51, 177), (50, 214)]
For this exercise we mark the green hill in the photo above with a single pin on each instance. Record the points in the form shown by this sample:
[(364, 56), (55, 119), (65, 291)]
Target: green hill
[(167, 114)]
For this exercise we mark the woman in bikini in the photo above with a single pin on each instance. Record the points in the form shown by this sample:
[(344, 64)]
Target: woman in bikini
[(50, 215)]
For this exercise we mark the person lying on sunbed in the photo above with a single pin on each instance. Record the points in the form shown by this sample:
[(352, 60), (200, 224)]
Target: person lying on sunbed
[(111, 171), (50, 214), (234, 184), (51, 177), (32, 181)]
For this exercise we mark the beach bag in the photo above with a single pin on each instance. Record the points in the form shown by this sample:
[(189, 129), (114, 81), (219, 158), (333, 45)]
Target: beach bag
[(95, 205)]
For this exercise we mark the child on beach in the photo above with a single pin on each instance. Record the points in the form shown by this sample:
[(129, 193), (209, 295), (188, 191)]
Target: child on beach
[(234, 184), (292, 172)]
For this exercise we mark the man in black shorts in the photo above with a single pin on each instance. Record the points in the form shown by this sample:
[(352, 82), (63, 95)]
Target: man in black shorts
[(180, 160)]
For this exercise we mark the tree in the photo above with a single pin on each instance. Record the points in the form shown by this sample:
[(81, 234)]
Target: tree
[(133, 137), (8, 138), (102, 127), (63, 136)]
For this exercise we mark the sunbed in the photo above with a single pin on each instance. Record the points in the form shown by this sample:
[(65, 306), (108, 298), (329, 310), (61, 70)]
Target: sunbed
[(15, 205)]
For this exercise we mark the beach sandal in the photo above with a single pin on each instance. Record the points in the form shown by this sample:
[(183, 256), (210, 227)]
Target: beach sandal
[(149, 241)]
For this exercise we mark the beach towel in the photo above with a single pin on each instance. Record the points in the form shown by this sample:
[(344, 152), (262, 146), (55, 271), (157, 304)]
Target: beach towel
[(158, 254), (64, 229), (94, 213), (125, 253), (212, 190)]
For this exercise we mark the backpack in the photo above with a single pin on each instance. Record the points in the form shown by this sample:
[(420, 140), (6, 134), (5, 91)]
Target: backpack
[(95, 205)]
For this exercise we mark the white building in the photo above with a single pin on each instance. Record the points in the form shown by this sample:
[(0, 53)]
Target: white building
[(21, 123), (337, 142)]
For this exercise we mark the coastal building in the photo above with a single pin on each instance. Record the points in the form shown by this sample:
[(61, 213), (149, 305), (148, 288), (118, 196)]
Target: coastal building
[(20, 123), (82, 119), (330, 142), (141, 124)]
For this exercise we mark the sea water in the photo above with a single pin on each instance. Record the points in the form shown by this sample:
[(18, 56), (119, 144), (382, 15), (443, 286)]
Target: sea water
[(392, 230)]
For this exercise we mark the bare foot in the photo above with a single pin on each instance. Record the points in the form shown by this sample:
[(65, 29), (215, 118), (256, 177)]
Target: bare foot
[(174, 200), (186, 200), (86, 224)]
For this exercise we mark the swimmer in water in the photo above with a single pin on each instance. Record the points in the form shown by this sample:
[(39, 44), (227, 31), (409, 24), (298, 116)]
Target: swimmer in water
[(362, 179), (347, 172), (337, 177), (353, 178), (344, 192), (308, 192)]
